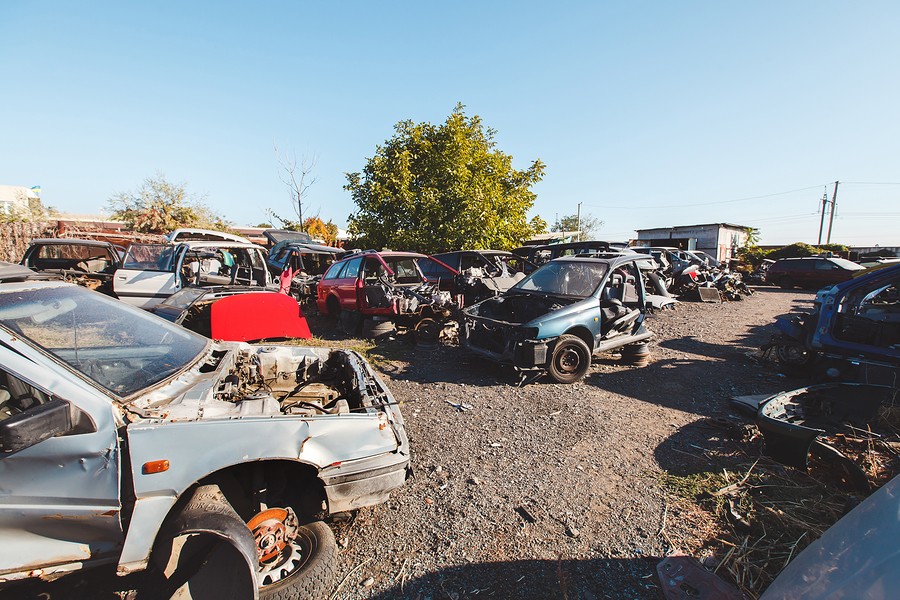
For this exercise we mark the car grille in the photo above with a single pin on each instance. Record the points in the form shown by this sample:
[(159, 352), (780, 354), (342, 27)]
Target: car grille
[(489, 337)]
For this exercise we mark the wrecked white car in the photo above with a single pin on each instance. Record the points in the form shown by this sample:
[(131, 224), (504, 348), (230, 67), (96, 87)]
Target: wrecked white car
[(150, 273), (127, 439)]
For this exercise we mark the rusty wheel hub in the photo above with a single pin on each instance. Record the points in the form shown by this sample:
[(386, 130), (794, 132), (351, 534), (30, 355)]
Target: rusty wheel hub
[(274, 531)]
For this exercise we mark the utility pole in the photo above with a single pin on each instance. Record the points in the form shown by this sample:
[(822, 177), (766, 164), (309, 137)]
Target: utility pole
[(822, 220), (578, 221), (833, 205)]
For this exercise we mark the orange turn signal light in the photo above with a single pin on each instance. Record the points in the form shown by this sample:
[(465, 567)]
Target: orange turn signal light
[(155, 466)]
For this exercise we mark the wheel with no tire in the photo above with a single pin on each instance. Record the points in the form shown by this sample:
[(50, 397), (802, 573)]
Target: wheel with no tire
[(571, 359), (332, 307), (296, 561), (786, 283)]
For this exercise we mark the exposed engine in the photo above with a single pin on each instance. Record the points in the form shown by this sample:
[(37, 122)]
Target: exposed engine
[(299, 381), (409, 300), (519, 309)]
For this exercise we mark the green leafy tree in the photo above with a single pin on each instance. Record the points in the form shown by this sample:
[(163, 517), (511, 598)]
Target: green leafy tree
[(588, 225), (442, 187), (158, 206), (537, 225)]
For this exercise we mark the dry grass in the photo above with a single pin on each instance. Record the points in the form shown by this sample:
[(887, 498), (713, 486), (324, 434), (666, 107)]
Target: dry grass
[(769, 514)]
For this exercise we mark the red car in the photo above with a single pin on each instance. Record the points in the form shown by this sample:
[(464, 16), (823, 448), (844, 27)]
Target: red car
[(385, 284)]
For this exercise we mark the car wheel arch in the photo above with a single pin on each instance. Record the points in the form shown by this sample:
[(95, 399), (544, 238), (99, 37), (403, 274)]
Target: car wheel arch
[(584, 333), (303, 478)]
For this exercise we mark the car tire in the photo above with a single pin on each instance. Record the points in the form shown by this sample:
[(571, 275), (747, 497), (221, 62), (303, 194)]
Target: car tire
[(786, 283), (570, 360), (350, 322), (204, 551), (314, 576)]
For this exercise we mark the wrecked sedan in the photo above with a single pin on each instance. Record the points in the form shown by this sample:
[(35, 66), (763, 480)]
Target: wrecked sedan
[(555, 319), (123, 436), (376, 287), (90, 263)]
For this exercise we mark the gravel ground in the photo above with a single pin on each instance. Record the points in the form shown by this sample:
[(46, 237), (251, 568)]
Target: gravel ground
[(546, 490)]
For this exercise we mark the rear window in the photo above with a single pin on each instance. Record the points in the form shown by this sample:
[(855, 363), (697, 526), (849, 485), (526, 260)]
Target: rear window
[(846, 264)]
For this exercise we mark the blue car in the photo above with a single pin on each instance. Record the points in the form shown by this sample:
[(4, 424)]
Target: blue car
[(555, 319), (856, 320)]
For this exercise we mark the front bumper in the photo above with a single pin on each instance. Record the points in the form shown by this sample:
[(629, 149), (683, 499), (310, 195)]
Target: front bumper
[(365, 482), (505, 344)]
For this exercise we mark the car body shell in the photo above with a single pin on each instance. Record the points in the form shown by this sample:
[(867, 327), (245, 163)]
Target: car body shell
[(92, 261), (344, 285), (87, 497), (145, 284), (528, 344)]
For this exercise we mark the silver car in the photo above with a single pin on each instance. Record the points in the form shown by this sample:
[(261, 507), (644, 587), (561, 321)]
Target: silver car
[(127, 439)]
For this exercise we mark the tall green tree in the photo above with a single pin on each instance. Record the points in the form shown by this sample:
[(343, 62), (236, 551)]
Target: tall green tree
[(159, 206), (442, 187)]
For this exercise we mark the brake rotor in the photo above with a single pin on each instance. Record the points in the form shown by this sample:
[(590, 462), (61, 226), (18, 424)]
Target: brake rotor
[(273, 530)]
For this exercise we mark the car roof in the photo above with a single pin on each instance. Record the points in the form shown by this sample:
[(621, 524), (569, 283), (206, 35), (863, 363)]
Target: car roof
[(385, 254), (61, 241), (610, 260), (219, 244), (313, 247), (195, 231)]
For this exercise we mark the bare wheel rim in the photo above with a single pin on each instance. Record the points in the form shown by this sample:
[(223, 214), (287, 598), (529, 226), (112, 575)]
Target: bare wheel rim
[(569, 360), (282, 547)]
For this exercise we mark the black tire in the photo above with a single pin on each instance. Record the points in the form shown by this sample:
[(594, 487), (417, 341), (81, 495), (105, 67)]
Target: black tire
[(786, 283), (350, 322), (205, 551), (570, 360), (333, 307), (314, 578)]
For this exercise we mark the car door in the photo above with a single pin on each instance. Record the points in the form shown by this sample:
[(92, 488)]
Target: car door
[(60, 497), (347, 284), (149, 274)]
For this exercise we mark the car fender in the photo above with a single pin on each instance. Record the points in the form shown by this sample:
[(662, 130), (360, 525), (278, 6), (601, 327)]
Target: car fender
[(196, 449), (585, 313)]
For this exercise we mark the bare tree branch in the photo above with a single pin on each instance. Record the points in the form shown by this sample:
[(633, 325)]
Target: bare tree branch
[(297, 176)]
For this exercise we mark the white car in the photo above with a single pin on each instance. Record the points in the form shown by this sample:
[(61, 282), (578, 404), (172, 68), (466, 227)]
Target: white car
[(150, 273), (186, 234), (128, 440)]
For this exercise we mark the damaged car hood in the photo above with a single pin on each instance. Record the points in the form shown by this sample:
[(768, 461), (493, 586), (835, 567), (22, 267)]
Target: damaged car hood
[(239, 380)]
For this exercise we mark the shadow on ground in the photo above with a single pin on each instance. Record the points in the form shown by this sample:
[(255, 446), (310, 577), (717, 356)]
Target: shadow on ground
[(534, 580), (520, 579)]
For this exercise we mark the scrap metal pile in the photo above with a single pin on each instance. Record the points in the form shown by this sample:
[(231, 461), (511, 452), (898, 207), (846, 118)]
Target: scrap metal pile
[(695, 276)]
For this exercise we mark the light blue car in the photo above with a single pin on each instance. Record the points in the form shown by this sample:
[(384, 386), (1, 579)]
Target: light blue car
[(127, 439)]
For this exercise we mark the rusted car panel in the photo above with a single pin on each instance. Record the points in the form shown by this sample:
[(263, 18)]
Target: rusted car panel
[(165, 394)]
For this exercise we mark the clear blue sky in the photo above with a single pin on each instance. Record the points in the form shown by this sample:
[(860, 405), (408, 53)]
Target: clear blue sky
[(688, 108)]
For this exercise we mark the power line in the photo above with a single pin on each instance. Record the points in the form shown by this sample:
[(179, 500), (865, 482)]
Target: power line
[(812, 187), (871, 182)]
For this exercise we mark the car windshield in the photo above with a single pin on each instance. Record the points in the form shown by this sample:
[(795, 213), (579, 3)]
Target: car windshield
[(150, 257), (565, 278), (121, 348)]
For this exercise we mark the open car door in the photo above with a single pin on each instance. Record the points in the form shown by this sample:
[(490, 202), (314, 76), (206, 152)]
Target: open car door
[(148, 274)]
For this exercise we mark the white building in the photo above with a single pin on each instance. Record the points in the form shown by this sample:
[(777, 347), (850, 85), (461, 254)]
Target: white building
[(719, 240), (17, 198)]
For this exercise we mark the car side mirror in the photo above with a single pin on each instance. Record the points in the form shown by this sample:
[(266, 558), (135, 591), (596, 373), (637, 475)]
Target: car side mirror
[(33, 426)]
